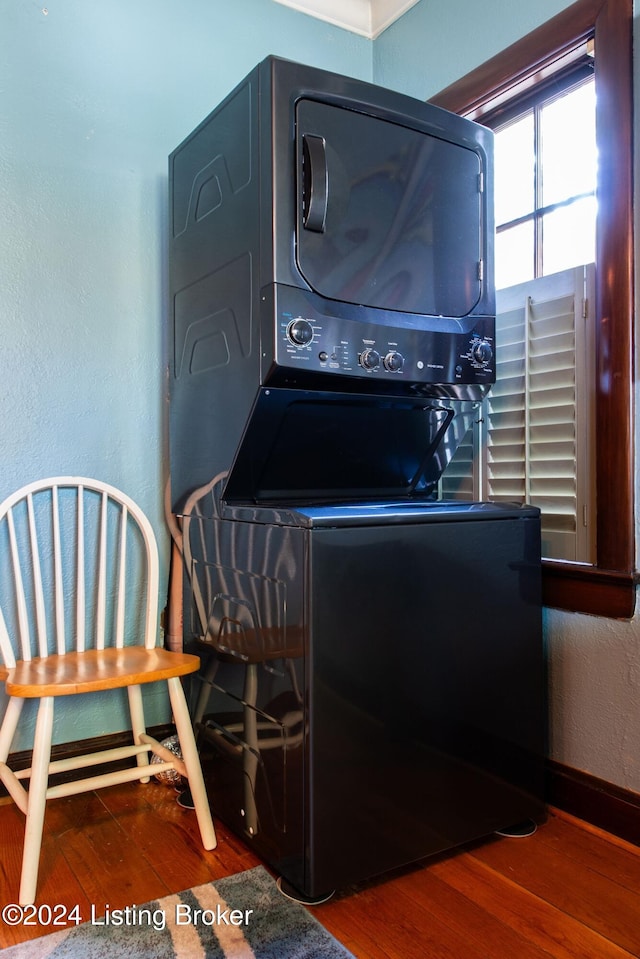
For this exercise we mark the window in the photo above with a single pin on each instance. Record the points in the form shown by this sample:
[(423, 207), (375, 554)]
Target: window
[(545, 179), (607, 587), (534, 439)]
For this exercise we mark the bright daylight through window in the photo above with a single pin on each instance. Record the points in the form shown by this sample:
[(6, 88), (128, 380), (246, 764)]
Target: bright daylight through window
[(545, 185)]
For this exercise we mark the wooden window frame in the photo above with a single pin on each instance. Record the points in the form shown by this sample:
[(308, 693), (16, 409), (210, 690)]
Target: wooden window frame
[(609, 587)]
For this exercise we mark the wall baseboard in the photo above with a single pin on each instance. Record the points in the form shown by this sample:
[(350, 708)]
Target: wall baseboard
[(22, 760), (600, 803)]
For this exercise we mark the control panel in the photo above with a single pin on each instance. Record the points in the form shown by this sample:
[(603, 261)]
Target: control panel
[(431, 350)]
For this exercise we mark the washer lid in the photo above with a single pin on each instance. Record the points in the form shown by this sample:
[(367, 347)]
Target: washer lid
[(378, 513), (307, 446)]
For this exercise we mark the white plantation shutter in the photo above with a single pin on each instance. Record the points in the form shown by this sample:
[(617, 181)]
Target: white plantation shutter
[(505, 416), (535, 433)]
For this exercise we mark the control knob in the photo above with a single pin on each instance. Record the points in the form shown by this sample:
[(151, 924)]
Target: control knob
[(370, 359), (300, 331), (394, 362), (482, 352)]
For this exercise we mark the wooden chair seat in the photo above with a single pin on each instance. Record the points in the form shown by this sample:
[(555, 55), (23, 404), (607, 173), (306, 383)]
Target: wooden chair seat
[(95, 670)]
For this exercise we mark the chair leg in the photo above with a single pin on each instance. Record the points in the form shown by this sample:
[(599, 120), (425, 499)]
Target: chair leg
[(9, 726), (192, 762), (138, 726), (37, 801)]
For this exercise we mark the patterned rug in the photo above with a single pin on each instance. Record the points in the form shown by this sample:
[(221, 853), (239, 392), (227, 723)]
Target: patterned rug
[(241, 917)]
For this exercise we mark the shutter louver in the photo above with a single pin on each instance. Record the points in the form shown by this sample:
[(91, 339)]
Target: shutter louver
[(552, 401), (536, 422), (535, 445), (506, 415)]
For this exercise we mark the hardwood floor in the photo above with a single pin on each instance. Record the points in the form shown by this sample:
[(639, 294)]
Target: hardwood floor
[(570, 891)]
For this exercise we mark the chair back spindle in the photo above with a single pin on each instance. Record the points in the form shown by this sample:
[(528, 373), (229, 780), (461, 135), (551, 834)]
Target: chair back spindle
[(41, 619), (58, 583), (80, 581), (102, 576), (21, 603), (120, 608)]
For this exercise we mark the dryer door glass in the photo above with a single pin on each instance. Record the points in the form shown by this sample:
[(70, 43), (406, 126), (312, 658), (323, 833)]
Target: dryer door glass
[(388, 216)]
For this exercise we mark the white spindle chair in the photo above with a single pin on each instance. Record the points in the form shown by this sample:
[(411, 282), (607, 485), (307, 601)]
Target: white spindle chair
[(83, 564)]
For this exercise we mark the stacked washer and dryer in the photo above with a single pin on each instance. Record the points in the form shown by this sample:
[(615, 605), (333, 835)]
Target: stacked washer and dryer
[(372, 687)]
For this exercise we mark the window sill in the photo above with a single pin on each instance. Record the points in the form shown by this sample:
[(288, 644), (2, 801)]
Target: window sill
[(586, 589)]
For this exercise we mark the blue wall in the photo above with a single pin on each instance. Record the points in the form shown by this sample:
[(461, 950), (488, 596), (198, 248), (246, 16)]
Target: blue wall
[(434, 44), (93, 97)]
